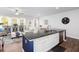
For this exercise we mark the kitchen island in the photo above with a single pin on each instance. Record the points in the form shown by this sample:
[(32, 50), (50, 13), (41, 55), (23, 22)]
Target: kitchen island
[(41, 41)]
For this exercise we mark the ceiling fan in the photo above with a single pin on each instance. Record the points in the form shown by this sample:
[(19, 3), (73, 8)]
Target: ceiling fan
[(17, 11)]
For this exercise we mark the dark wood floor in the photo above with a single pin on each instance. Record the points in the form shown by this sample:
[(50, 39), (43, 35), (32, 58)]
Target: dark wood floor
[(71, 45)]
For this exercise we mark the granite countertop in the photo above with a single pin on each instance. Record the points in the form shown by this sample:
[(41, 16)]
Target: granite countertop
[(31, 35)]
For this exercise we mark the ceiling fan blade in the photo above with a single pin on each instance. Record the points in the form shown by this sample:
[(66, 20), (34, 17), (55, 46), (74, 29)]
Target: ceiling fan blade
[(16, 11)]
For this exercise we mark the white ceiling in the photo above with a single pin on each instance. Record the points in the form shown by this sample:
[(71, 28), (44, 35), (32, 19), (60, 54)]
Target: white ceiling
[(36, 11)]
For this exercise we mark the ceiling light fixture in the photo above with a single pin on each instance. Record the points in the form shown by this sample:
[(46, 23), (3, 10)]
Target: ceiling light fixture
[(17, 13), (57, 7)]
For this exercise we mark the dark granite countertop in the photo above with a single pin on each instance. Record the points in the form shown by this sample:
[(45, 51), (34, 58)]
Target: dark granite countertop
[(31, 35)]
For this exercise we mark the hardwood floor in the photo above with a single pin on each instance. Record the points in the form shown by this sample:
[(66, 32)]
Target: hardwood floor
[(71, 45), (14, 47)]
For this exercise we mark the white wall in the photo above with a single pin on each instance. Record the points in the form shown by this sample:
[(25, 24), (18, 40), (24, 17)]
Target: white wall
[(72, 28)]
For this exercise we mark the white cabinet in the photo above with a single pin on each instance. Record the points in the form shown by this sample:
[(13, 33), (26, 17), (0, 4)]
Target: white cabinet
[(46, 43)]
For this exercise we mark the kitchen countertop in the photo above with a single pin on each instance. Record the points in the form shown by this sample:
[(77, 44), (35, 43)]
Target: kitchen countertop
[(31, 35)]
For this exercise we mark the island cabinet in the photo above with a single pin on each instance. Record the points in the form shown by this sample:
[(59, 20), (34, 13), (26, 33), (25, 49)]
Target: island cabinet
[(40, 44)]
